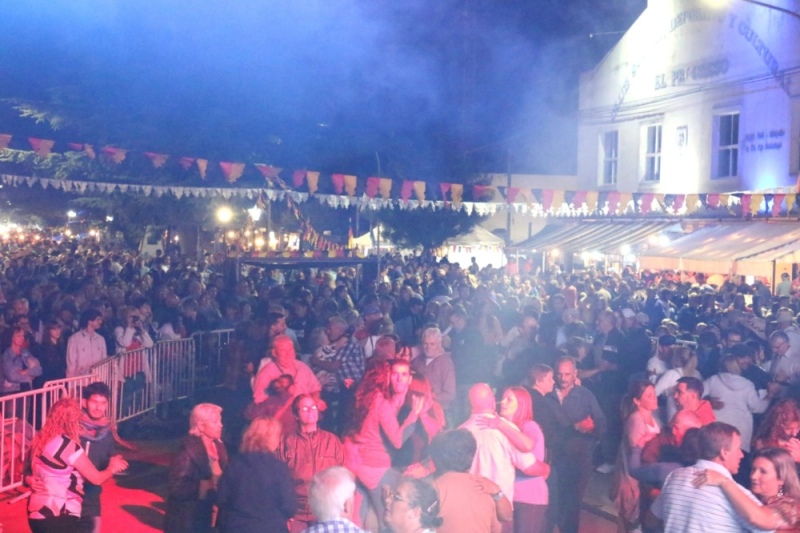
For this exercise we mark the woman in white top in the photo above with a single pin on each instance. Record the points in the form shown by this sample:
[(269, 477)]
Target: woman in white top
[(739, 397)]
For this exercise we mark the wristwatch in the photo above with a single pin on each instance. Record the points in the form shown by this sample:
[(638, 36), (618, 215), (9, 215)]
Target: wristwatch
[(497, 497)]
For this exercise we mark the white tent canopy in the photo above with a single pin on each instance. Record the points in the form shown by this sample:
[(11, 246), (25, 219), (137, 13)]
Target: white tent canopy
[(735, 248), (480, 243)]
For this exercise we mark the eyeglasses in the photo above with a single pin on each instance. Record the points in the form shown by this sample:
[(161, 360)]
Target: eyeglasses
[(307, 408)]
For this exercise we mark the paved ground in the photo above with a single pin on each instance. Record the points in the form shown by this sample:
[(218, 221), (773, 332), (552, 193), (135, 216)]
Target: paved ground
[(134, 503)]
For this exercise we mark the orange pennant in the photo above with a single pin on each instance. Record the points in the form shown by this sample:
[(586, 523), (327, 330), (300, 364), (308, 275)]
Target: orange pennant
[(385, 188), (202, 166), (117, 155), (157, 159), (419, 190), (457, 192), (5, 139), (350, 184), (232, 171), (89, 149), (313, 181)]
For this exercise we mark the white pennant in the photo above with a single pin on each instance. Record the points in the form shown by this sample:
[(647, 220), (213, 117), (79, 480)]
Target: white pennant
[(148, 190)]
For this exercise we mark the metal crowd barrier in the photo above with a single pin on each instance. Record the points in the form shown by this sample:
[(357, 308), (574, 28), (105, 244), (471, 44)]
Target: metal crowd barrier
[(21, 415), (139, 381)]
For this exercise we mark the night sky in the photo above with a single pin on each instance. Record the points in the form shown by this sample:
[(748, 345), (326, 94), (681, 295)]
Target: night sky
[(430, 90)]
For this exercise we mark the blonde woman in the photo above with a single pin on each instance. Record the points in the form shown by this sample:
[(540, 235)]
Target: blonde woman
[(195, 473), (257, 491)]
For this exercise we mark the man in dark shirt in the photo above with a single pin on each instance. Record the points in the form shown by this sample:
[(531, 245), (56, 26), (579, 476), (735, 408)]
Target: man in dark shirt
[(473, 360), (574, 459)]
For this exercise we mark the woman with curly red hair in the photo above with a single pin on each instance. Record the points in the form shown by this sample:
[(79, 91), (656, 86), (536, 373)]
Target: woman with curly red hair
[(57, 459), (779, 428)]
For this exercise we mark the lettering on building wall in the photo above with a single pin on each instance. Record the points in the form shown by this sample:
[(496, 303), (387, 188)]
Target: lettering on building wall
[(697, 72), (760, 141), (749, 34)]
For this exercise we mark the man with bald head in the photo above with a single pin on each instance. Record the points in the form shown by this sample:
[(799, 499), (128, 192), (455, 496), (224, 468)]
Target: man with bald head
[(496, 458), (284, 362)]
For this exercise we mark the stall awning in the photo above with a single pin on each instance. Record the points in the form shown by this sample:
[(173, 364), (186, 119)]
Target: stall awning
[(596, 236), (738, 248)]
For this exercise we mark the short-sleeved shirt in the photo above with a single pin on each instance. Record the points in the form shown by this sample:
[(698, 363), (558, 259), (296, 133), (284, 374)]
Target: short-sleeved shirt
[(496, 458), (56, 467), (684, 507)]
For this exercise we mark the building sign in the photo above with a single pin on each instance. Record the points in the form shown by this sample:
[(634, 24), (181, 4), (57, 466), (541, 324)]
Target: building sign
[(760, 141), (692, 73)]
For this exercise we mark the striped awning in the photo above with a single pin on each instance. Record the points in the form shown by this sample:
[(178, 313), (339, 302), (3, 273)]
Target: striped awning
[(595, 236)]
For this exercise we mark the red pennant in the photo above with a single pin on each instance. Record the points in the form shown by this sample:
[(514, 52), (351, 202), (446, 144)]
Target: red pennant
[(232, 171), (678, 203), (777, 201), (406, 190), (747, 199), (268, 171), (157, 159), (578, 199), (713, 200), (372, 187), (547, 198), (5, 139), (338, 183), (647, 202), (117, 155), (42, 147), (298, 177), (613, 202), (445, 188), (511, 195), (186, 162), (478, 191), (75, 146)]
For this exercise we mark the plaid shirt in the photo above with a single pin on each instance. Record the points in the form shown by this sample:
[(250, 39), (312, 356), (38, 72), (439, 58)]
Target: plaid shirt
[(339, 525), (352, 357)]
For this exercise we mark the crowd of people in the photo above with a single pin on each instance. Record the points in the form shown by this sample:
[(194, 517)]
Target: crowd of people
[(437, 397)]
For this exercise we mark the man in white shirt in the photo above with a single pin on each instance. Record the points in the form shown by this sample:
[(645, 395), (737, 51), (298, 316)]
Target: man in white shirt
[(683, 507), (496, 458), (86, 348), (785, 368)]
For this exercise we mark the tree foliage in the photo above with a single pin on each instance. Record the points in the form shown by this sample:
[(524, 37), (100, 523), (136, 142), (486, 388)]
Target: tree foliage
[(425, 227)]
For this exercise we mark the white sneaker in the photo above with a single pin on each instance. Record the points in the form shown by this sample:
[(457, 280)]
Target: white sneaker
[(605, 468)]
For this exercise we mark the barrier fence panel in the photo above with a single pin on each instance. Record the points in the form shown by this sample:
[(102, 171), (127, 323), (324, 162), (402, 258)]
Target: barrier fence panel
[(174, 365), (21, 415), (212, 356)]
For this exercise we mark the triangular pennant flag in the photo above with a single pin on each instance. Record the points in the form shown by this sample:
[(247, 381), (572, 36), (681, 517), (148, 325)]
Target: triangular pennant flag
[(457, 193), (5, 139), (746, 200), (157, 159), (77, 147), (406, 190), (478, 192), (89, 149), (41, 147), (512, 194), (692, 200), (613, 202), (268, 171), (591, 200), (677, 204), (186, 162), (202, 166), (350, 184), (578, 199), (372, 187), (503, 191), (298, 177), (313, 181), (791, 199), (117, 155), (547, 199), (724, 200), (419, 190), (625, 199), (713, 201), (557, 201), (468, 207), (755, 203), (338, 183), (445, 188), (385, 188), (777, 201)]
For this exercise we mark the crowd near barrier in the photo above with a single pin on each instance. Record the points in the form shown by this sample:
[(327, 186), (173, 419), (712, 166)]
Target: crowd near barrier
[(139, 380)]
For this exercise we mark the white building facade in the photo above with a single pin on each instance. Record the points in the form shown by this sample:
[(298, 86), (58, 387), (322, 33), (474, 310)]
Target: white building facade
[(697, 97)]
